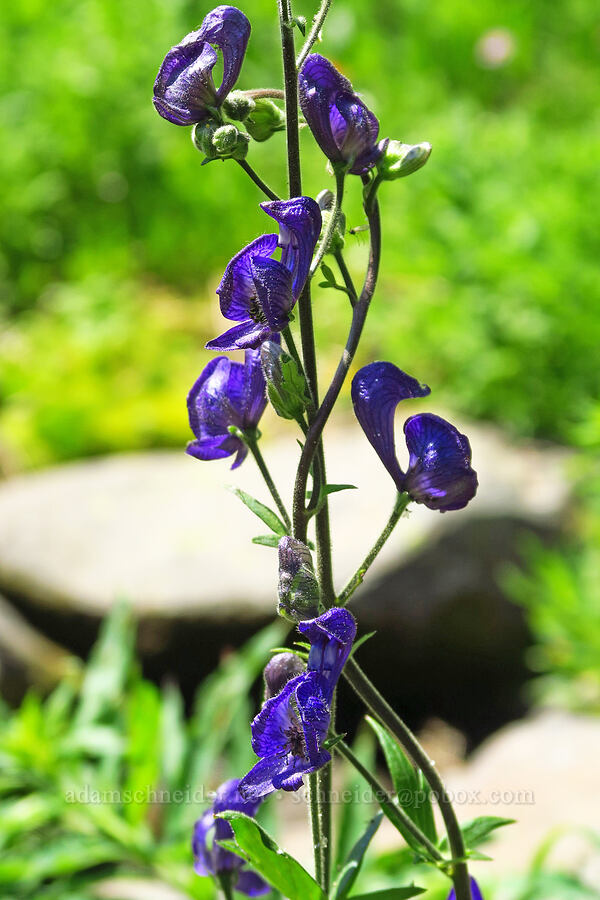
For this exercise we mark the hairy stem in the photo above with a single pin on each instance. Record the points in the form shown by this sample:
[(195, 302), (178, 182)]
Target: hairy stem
[(313, 34), (341, 262), (382, 711), (331, 225), (252, 444), (265, 93), (316, 823), (257, 180), (392, 809), (402, 501), (359, 315)]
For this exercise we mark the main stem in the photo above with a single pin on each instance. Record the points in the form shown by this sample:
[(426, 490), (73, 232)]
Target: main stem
[(382, 710), (321, 837)]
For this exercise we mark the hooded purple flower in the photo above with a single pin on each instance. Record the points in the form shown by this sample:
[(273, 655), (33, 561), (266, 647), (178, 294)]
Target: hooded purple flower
[(475, 892), (227, 393), (209, 857), (289, 731), (439, 471), (184, 90), (258, 291), (344, 128)]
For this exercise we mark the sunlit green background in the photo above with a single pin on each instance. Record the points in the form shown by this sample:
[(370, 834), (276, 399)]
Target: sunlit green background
[(113, 237)]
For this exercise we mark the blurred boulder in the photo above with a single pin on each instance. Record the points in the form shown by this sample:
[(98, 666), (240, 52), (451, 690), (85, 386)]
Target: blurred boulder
[(160, 530)]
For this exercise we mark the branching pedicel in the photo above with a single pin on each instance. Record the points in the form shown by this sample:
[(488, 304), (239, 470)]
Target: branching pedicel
[(294, 733)]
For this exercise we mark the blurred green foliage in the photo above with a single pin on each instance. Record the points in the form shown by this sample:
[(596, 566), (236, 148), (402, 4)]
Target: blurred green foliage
[(113, 238)]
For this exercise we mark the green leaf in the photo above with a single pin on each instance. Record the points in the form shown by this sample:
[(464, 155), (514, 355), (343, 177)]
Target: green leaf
[(328, 274), (352, 866), (267, 540), (362, 640), (413, 793), (278, 868), (334, 489), (402, 893), (478, 830), (263, 512)]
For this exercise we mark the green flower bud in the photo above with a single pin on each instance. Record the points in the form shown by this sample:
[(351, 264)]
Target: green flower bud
[(202, 138), (237, 105), (326, 201), (298, 586), (265, 119), (286, 387), (401, 159), (230, 143)]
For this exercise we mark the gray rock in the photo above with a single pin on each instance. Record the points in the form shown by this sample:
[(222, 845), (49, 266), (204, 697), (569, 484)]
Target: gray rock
[(159, 528)]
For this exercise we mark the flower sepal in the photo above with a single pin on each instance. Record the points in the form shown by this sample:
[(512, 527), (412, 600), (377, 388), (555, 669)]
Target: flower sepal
[(265, 120), (286, 386), (400, 160), (217, 141), (238, 106)]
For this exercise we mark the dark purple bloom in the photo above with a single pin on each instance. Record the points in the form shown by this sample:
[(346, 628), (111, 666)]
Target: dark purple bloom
[(280, 669), (439, 471), (184, 90), (475, 892), (227, 393), (258, 291), (344, 128), (289, 731), (209, 857)]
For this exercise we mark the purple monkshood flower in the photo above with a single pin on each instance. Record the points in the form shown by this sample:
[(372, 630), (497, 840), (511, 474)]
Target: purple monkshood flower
[(209, 857), (227, 393), (439, 473), (184, 90), (258, 291), (289, 731), (343, 127), (475, 892)]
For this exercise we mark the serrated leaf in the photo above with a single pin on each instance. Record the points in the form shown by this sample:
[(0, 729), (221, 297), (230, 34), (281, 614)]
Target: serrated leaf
[(279, 869), (259, 509), (267, 540), (478, 830), (402, 893), (414, 795), (345, 880)]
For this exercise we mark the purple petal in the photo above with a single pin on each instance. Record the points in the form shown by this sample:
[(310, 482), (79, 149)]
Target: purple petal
[(366, 160), (269, 727), (273, 284), (228, 29), (299, 229), (260, 779), (439, 470), (376, 391), (313, 698), (318, 83), (203, 864), (247, 335), (360, 127), (216, 448), (228, 797), (236, 290), (220, 363), (251, 884), (184, 86), (331, 636), (255, 397), (475, 892)]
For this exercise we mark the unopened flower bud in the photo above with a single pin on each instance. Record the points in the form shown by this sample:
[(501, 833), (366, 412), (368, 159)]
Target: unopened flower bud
[(279, 670), (237, 105), (401, 159), (326, 201), (298, 585), (286, 387), (265, 120), (202, 137), (230, 143)]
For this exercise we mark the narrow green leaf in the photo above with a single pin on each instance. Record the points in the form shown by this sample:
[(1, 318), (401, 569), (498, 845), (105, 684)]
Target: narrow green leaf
[(413, 793), (350, 870), (362, 640), (402, 893), (478, 830), (267, 540), (327, 273), (259, 509), (278, 868)]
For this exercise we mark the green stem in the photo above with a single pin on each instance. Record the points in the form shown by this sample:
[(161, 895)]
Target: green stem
[(323, 247), (313, 34), (316, 823), (252, 444), (321, 841), (225, 883), (257, 180), (393, 811), (381, 709), (339, 258), (402, 501)]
